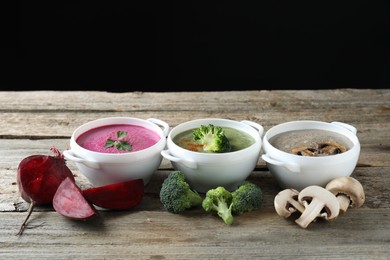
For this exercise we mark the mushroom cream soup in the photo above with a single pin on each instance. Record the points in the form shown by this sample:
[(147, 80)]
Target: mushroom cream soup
[(238, 140), (311, 142), (120, 138)]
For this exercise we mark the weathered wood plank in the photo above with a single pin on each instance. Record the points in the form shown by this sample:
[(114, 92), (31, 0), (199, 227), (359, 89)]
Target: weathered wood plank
[(191, 101), (62, 124), (162, 235), (59, 113)]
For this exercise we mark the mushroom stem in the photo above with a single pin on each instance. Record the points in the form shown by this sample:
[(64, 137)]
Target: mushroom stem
[(349, 192), (286, 203), (316, 199), (344, 202), (311, 212), (298, 206)]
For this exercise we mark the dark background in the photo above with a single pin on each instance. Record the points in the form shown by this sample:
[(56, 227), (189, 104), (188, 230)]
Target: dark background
[(195, 45)]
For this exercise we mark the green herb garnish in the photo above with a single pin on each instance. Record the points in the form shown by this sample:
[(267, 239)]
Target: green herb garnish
[(121, 134), (119, 144)]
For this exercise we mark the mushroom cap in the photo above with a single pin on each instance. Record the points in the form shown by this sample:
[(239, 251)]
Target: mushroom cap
[(284, 202), (317, 194), (350, 187)]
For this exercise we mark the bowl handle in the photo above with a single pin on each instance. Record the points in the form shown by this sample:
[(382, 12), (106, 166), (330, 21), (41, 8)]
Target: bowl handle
[(159, 122), (348, 127), (186, 162), (71, 156), (290, 166), (255, 125)]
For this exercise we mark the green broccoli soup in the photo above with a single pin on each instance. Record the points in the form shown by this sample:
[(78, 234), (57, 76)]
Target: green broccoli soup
[(238, 140)]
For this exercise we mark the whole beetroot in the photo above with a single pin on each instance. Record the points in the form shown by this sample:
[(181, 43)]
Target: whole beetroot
[(39, 177)]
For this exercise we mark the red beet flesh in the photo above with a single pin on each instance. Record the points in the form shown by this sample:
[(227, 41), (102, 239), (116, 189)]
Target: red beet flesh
[(123, 195), (69, 201)]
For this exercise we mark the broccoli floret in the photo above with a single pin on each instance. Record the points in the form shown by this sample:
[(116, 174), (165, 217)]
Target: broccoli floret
[(212, 138), (219, 200), (176, 194), (246, 198)]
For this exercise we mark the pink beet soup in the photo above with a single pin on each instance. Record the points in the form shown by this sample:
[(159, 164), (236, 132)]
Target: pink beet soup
[(120, 138)]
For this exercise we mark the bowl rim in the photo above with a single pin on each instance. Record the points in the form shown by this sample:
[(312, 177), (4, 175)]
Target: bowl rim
[(100, 122), (341, 131), (254, 134)]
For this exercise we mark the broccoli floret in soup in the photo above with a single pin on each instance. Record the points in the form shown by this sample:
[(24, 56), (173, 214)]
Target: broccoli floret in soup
[(212, 138)]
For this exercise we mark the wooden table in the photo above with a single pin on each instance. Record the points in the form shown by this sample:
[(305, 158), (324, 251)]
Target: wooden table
[(32, 122)]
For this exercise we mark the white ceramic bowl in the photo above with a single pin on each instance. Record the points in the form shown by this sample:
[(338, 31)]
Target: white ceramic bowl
[(204, 171), (298, 172), (107, 168)]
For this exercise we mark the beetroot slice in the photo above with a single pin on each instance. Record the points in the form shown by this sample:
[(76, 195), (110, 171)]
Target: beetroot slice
[(69, 201), (122, 195)]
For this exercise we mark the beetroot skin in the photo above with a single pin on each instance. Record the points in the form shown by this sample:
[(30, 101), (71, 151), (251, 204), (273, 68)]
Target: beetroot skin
[(69, 201), (123, 195)]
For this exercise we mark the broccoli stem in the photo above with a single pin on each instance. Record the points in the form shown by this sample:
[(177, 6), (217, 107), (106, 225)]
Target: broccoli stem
[(224, 211), (194, 197)]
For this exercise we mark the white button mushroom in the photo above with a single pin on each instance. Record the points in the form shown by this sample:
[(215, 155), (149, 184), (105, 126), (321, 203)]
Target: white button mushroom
[(286, 203), (349, 192), (318, 202)]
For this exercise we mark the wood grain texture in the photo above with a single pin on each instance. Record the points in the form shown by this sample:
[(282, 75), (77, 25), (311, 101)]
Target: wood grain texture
[(33, 122), (162, 235)]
